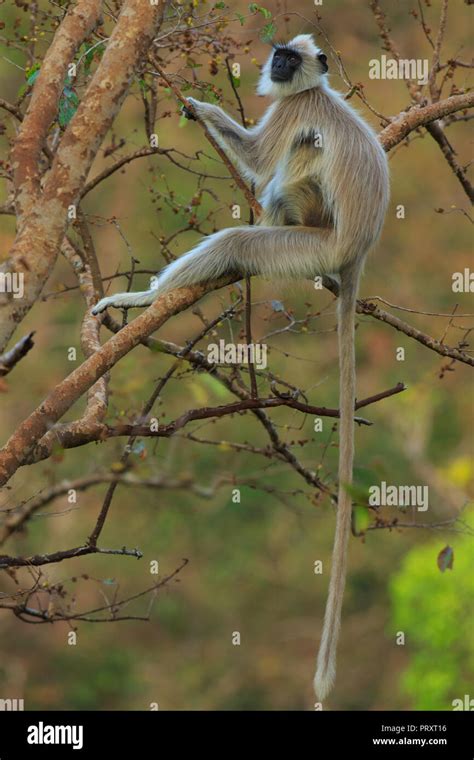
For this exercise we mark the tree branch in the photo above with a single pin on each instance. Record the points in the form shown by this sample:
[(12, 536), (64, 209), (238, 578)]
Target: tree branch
[(10, 359), (415, 117), (77, 24), (63, 396), (39, 238), (251, 200)]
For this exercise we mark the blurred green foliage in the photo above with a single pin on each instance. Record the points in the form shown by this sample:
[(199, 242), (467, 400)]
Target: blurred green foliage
[(436, 611)]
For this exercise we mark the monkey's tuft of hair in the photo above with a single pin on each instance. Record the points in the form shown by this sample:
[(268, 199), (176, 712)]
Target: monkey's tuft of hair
[(323, 683)]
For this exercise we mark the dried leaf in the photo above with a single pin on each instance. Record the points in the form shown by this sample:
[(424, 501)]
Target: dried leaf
[(445, 559)]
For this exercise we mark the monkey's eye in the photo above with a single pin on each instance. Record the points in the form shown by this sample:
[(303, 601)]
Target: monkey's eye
[(323, 58), (292, 60)]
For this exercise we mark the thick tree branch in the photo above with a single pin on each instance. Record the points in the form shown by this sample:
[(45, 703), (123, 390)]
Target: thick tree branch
[(417, 116), (77, 24), (39, 238), (64, 395)]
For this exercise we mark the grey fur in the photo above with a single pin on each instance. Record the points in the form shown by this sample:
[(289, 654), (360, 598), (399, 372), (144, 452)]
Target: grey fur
[(324, 207)]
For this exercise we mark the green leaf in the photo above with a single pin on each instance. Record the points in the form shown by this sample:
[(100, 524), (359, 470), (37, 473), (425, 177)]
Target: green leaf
[(362, 519), (30, 76), (68, 105), (358, 493), (241, 18), (211, 94), (96, 52), (255, 8), (32, 73), (268, 32), (214, 386), (363, 476)]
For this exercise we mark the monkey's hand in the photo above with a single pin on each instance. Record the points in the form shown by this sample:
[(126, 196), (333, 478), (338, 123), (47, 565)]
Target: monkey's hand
[(199, 109), (188, 113), (102, 305)]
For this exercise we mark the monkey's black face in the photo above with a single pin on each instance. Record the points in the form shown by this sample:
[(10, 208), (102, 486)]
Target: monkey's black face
[(285, 63)]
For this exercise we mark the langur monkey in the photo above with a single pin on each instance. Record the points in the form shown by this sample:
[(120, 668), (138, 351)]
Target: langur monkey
[(322, 179)]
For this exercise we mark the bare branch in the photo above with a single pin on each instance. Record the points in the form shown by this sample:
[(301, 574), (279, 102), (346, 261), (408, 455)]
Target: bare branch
[(63, 396), (364, 306), (416, 117), (438, 135), (11, 358), (251, 200), (437, 51)]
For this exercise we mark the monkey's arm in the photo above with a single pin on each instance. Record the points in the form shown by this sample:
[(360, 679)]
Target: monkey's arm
[(241, 143)]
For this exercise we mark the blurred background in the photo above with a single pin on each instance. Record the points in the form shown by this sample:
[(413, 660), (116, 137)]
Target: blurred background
[(251, 564)]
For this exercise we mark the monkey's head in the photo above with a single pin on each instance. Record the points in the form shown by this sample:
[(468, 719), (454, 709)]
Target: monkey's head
[(299, 65)]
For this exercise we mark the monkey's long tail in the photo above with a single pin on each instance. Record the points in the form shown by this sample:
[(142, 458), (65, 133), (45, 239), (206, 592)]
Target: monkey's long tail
[(326, 664)]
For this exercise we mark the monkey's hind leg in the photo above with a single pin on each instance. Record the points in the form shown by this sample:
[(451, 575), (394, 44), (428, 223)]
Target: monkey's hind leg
[(125, 301), (279, 252), (286, 251)]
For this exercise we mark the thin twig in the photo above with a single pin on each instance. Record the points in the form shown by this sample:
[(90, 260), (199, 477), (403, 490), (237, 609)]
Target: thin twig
[(252, 201)]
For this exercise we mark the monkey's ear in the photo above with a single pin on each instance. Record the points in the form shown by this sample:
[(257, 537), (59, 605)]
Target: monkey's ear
[(323, 60)]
